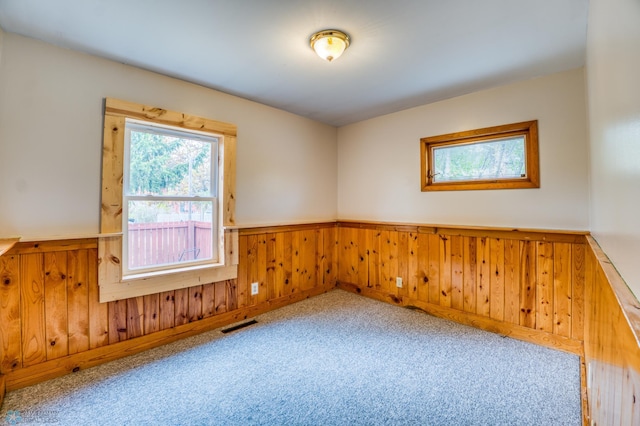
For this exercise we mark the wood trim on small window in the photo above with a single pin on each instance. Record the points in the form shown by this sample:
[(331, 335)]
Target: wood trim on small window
[(113, 285), (528, 129)]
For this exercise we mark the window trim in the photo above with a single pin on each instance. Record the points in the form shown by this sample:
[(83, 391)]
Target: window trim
[(528, 129), (113, 284)]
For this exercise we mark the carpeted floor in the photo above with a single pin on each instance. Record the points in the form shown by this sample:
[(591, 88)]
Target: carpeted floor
[(336, 359)]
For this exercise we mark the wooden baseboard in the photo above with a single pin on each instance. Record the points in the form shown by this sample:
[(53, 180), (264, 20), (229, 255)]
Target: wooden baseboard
[(72, 363), (526, 334)]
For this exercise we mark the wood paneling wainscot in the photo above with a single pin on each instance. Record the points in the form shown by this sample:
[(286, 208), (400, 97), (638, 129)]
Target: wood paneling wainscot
[(522, 283), (557, 289), (612, 343), (52, 323)]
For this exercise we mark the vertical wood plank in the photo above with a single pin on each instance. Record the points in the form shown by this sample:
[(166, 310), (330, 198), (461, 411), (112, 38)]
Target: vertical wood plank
[(117, 321), (445, 271), (329, 237), (242, 285), (151, 304), (363, 257), (423, 267), (528, 285), (271, 266), (208, 300), (221, 291), (55, 304), (434, 269), (497, 279), (252, 268), (261, 264), (544, 313), (307, 259), (512, 281), (352, 255), (280, 275), (195, 303), (393, 261), (232, 295), (375, 273), (181, 304), (10, 324), (135, 317), (470, 274), (320, 256), (578, 291), (98, 312), (296, 261), (167, 310), (457, 272), (32, 312), (333, 274), (343, 246), (403, 263), (562, 274), (288, 263), (483, 280), (413, 268), (385, 254), (78, 300)]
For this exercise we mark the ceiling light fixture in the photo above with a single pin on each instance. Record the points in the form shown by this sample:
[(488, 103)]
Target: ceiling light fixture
[(329, 44)]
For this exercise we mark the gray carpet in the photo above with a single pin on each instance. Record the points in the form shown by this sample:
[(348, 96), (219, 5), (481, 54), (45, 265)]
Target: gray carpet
[(336, 359)]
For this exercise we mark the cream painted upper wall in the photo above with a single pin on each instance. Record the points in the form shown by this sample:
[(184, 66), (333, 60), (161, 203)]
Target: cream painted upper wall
[(51, 139), (613, 87), (379, 160)]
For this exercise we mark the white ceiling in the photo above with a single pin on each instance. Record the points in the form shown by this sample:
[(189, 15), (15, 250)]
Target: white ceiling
[(404, 53)]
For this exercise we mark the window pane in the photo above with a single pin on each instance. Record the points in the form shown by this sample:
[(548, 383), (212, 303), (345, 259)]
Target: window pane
[(169, 165), (169, 232), (501, 159)]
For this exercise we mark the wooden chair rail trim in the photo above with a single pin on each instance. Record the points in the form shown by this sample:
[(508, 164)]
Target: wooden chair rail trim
[(627, 301), (267, 229), (58, 367), (82, 236), (7, 244), (526, 334), (47, 246), (17, 246), (474, 231)]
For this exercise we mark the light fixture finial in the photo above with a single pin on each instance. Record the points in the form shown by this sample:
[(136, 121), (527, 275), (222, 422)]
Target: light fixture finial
[(329, 44)]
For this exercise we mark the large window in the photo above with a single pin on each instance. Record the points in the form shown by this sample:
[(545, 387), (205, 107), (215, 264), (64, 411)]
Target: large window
[(168, 182), (499, 157), (169, 197)]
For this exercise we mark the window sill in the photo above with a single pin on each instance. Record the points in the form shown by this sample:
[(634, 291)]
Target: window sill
[(166, 282), (481, 185), (115, 286), (172, 271)]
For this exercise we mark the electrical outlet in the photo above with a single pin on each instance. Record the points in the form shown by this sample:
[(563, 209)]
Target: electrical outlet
[(254, 288), (399, 282)]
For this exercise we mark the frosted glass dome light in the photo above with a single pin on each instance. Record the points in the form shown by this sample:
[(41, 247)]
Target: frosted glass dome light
[(329, 44)]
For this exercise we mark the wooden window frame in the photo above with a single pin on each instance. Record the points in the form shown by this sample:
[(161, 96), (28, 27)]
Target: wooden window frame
[(114, 285), (528, 129)]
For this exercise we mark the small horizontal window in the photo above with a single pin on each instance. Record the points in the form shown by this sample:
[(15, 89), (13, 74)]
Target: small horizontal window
[(499, 157)]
